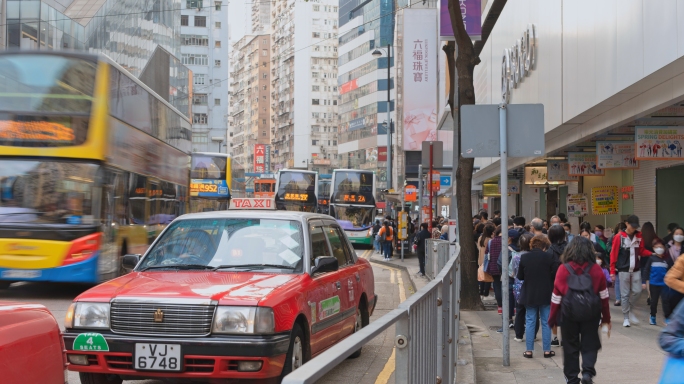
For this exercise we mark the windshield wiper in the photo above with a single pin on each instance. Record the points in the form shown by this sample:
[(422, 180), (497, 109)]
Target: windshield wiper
[(250, 266), (178, 266)]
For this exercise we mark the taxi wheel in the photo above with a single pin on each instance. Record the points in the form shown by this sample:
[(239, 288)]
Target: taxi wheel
[(297, 353), (358, 324), (99, 378)]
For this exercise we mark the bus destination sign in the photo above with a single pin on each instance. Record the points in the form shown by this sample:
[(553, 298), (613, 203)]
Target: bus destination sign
[(208, 188)]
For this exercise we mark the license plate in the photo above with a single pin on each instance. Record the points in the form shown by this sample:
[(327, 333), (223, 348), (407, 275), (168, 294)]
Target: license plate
[(157, 357), (20, 274)]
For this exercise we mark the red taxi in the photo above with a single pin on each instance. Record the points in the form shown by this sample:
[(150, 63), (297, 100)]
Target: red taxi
[(249, 293)]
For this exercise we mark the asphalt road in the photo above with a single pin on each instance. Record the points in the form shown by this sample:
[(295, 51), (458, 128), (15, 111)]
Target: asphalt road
[(375, 365)]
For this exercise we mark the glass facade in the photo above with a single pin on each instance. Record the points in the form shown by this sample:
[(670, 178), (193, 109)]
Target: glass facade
[(128, 31)]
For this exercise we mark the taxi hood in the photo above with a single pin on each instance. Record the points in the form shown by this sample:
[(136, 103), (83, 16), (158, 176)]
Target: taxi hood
[(228, 288)]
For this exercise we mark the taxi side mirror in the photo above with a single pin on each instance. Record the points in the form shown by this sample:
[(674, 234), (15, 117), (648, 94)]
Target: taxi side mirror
[(130, 261), (324, 264)]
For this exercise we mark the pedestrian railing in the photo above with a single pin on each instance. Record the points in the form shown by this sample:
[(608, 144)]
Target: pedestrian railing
[(426, 334), (436, 256)]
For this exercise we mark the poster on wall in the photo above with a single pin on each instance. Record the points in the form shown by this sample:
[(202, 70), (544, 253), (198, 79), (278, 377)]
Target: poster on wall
[(616, 155), (419, 78), (659, 143), (513, 187), (558, 170), (578, 205), (472, 18), (605, 200), (583, 164)]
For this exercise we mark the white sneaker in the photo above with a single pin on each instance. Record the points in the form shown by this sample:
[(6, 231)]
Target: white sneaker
[(633, 318), (518, 340), (626, 323)]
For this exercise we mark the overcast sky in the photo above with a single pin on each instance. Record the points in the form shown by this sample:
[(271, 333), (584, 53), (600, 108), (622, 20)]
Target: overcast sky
[(237, 18)]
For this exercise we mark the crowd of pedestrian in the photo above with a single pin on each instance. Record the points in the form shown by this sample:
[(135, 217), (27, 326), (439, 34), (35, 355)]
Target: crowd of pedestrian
[(560, 282)]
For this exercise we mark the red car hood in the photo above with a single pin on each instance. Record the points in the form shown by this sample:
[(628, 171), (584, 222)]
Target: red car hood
[(229, 288)]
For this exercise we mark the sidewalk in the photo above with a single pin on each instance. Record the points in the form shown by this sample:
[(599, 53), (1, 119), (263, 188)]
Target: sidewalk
[(629, 356), (410, 264)]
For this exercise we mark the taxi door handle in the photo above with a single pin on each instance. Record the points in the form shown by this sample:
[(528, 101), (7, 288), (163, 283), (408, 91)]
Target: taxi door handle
[(339, 286)]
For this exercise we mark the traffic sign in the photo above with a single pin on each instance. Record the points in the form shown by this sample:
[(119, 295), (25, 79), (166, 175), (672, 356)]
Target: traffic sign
[(445, 181)]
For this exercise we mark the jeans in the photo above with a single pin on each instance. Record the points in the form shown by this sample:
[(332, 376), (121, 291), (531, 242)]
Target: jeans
[(630, 290), (387, 249), (520, 320), (580, 338), (616, 283), (530, 320), (376, 245)]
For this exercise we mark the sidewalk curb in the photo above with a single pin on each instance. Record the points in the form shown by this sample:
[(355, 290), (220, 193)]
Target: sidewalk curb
[(392, 265), (465, 365)]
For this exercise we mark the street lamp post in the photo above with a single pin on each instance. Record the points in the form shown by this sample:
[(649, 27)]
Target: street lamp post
[(377, 53)]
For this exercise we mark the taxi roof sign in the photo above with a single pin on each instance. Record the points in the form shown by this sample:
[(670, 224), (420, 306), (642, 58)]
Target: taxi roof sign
[(252, 203)]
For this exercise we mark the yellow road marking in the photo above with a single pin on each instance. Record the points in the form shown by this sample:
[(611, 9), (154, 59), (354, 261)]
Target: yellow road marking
[(387, 371), (389, 367), (392, 276)]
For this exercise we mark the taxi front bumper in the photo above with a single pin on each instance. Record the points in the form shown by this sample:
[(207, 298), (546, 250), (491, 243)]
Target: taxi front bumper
[(212, 357)]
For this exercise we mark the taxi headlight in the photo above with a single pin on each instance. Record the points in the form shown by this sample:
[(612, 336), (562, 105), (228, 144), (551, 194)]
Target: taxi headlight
[(243, 320), (87, 315)]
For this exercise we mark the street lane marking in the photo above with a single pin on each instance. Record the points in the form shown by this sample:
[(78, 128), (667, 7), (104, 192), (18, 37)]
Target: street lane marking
[(387, 371), (392, 279)]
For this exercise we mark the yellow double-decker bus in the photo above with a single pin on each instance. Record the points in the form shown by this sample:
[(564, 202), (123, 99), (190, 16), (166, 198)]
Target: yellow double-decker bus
[(93, 164)]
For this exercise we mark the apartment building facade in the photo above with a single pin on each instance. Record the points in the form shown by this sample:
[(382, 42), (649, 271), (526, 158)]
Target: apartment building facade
[(204, 49)]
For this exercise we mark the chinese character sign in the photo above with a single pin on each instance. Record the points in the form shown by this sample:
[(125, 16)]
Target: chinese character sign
[(659, 143), (419, 77), (583, 164), (259, 158), (605, 200), (577, 205), (471, 11), (616, 155)]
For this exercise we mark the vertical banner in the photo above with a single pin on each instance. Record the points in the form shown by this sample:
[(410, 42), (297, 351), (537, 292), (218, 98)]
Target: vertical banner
[(558, 170), (419, 78), (578, 205), (259, 158), (268, 159), (472, 18), (605, 200), (616, 155), (659, 143), (583, 164)]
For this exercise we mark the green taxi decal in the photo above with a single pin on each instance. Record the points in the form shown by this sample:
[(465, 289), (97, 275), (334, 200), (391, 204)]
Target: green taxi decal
[(329, 307), (91, 342)]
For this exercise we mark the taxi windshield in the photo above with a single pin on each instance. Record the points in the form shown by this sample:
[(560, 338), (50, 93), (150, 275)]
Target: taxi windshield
[(253, 244)]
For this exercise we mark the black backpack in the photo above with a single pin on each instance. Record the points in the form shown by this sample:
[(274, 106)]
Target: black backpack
[(580, 303)]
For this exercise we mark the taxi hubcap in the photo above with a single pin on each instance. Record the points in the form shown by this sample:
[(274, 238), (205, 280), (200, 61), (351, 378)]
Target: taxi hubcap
[(297, 354)]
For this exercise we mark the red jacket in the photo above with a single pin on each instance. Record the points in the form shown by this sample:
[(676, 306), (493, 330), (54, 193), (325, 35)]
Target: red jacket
[(626, 252), (560, 288)]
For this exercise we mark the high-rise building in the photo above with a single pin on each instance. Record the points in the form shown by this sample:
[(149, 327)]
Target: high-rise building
[(261, 17), (204, 49), (304, 84), (250, 108)]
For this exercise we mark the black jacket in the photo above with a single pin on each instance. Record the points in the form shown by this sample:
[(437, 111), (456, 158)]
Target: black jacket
[(537, 271), (376, 229), (556, 250), (421, 236)]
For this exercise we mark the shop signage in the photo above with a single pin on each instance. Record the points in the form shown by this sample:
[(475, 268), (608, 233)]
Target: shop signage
[(605, 200), (538, 176), (268, 158), (259, 158), (348, 87), (436, 181), (321, 161), (583, 164), (410, 193), (356, 124), (518, 61), (490, 190), (659, 143), (578, 205), (209, 188), (513, 187), (616, 155), (471, 11), (558, 170), (382, 153), (627, 193)]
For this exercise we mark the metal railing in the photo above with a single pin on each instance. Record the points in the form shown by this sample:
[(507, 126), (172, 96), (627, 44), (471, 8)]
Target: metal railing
[(436, 255), (426, 334)]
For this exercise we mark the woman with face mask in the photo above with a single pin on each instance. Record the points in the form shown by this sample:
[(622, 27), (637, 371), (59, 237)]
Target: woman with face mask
[(653, 276), (675, 245)]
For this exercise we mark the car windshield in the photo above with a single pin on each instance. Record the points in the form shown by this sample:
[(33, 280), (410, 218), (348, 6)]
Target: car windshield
[(229, 243)]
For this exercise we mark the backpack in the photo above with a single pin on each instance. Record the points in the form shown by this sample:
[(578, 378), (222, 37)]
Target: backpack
[(580, 303)]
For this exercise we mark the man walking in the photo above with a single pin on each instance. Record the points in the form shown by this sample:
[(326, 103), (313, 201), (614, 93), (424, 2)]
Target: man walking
[(537, 226), (628, 248), (421, 236)]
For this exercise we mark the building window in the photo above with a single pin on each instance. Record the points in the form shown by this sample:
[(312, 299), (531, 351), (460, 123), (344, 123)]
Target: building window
[(314, 142), (200, 138), (217, 101), (194, 59), (217, 44), (264, 64), (199, 79), (264, 76), (315, 88), (315, 115), (217, 25), (217, 5), (316, 8), (263, 133), (316, 35), (199, 99), (334, 102), (193, 4), (200, 21), (217, 63), (263, 88), (194, 40), (315, 102), (314, 74), (263, 121), (264, 41), (184, 20), (264, 52), (334, 142), (199, 118)]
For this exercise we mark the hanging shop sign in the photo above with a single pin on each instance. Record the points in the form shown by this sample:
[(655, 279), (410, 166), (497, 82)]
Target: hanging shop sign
[(491, 190), (538, 176), (659, 143), (513, 187), (259, 158), (627, 192), (583, 164), (558, 170), (578, 205), (605, 200), (616, 155), (518, 61)]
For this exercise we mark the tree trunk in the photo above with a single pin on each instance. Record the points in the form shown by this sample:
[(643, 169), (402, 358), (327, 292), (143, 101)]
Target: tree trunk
[(464, 67)]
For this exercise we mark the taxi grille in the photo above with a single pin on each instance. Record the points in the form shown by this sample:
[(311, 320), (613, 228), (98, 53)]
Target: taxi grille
[(177, 320)]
